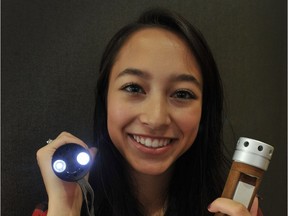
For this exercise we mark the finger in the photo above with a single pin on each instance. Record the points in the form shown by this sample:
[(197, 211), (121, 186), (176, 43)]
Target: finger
[(65, 138), (48, 150), (229, 207), (93, 152), (254, 207)]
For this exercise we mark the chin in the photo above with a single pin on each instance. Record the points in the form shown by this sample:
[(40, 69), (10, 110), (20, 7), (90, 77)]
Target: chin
[(152, 170)]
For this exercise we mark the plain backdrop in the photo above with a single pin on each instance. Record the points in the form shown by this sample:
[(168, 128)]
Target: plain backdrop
[(50, 57)]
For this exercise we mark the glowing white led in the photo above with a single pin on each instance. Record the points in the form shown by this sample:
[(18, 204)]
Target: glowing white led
[(59, 166), (83, 158)]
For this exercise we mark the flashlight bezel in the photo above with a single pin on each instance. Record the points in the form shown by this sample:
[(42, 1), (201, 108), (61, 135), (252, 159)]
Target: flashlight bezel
[(74, 170)]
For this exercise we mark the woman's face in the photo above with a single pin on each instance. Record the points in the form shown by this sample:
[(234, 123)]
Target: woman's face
[(154, 100)]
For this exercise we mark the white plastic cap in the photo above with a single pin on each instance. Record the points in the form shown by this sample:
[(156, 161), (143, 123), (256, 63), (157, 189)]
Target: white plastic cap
[(253, 152)]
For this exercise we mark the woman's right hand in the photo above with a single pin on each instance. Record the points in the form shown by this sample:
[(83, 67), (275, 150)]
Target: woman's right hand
[(65, 198)]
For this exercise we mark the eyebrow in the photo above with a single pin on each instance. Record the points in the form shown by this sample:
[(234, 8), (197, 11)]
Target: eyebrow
[(187, 78), (134, 72), (145, 75)]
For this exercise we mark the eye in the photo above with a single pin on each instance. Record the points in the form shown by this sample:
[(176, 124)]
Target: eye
[(184, 94), (133, 88)]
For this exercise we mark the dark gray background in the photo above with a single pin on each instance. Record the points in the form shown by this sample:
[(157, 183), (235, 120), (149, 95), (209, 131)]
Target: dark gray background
[(50, 57)]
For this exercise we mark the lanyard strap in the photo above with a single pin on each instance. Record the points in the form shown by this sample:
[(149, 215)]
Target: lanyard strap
[(87, 193)]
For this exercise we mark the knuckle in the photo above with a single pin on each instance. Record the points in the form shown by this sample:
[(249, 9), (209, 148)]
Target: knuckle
[(65, 134), (39, 154)]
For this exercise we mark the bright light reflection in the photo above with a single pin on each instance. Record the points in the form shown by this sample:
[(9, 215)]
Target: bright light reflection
[(83, 158), (59, 166)]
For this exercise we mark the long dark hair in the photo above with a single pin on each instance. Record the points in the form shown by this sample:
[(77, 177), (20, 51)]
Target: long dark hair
[(198, 175)]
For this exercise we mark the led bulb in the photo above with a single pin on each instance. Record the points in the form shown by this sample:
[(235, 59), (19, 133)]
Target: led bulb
[(83, 158), (59, 166)]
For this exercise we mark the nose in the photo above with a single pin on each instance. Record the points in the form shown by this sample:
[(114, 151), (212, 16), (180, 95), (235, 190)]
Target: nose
[(155, 113)]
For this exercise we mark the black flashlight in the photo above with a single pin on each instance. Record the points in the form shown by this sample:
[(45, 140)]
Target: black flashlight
[(71, 162)]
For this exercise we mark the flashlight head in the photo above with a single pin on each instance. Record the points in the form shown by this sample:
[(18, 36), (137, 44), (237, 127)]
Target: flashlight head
[(253, 152), (71, 162)]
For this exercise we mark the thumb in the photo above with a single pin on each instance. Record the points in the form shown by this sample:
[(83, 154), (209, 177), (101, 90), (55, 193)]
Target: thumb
[(255, 206), (93, 152)]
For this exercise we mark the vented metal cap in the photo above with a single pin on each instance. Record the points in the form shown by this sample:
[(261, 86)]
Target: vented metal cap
[(253, 152)]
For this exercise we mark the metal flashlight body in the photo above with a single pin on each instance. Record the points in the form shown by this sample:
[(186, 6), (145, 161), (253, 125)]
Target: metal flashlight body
[(71, 162), (250, 160)]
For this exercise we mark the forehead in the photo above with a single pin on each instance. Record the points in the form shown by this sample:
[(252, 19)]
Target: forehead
[(155, 36), (159, 45)]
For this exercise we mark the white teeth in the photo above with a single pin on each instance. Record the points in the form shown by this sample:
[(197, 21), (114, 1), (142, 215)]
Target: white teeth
[(148, 142), (154, 143)]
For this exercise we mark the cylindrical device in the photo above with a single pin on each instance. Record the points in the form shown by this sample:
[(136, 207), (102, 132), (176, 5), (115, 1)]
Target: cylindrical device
[(250, 160), (71, 162)]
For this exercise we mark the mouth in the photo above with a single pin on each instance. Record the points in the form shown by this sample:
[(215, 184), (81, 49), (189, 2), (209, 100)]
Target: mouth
[(151, 142)]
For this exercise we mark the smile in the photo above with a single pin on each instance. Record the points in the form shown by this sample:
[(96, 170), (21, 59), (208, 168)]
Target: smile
[(151, 142)]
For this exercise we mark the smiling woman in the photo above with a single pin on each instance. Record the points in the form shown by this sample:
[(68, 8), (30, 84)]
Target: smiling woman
[(158, 127), (162, 106)]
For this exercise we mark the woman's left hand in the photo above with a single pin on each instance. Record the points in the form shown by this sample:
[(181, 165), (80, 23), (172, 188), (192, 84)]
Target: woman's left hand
[(233, 208)]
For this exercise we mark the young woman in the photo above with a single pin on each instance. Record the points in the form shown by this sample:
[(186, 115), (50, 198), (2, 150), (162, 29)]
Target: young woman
[(158, 128)]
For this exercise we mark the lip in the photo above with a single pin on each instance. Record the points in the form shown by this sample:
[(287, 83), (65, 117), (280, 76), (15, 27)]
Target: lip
[(150, 150)]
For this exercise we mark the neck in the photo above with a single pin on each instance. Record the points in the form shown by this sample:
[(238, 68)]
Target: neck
[(152, 191)]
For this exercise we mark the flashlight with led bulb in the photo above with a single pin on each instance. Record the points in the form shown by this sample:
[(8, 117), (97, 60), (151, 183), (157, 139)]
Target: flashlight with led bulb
[(71, 162), (250, 160)]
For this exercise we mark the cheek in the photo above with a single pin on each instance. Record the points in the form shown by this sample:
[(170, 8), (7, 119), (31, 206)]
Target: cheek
[(118, 113), (114, 116), (189, 124), (118, 116), (114, 119)]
